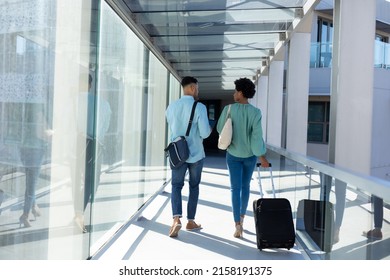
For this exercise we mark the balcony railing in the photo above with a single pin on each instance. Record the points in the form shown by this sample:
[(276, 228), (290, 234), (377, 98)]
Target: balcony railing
[(382, 55), (321, 55)]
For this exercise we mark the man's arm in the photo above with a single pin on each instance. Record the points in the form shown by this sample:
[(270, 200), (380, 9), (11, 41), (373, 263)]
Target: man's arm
[(203, 122)]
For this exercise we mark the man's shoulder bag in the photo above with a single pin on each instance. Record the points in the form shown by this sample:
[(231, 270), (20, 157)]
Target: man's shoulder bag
[(177, 151)]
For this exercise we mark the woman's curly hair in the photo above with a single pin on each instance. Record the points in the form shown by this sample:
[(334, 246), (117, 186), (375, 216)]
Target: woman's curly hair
[(246, 86)]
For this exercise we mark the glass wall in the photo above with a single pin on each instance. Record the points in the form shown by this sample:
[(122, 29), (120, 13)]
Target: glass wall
[(333, 209), (82, 105)]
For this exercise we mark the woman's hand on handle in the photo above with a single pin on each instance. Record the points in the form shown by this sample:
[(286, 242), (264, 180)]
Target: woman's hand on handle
[(264, 162)]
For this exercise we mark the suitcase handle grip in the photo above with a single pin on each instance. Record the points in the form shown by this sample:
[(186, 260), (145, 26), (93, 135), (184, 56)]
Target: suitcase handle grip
[(259, 164)]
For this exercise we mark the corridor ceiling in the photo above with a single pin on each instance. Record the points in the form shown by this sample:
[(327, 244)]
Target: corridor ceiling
[(216, 41)]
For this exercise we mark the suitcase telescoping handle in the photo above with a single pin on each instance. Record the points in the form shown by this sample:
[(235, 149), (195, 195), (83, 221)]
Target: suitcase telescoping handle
[(258, 165)]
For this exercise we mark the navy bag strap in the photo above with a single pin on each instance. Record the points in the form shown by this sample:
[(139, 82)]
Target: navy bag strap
[(191, 118)]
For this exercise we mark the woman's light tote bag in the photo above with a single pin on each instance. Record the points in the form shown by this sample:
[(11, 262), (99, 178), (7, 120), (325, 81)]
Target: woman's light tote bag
[(225, 137)]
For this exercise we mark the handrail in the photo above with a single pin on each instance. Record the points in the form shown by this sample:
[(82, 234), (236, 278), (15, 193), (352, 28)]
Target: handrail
[(373, 185)]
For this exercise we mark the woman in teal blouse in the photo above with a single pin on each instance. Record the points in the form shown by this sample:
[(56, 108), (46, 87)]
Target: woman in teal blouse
[(246, 147)]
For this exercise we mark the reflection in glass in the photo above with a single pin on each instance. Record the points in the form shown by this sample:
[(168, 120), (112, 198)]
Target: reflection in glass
[(354, 225), (42, 54), (135, 85)]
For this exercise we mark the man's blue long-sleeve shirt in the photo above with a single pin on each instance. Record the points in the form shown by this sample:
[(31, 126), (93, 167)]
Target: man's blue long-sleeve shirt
[(178, 114)]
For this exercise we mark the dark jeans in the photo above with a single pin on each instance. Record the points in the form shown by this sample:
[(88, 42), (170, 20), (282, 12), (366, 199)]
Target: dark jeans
[(378, 211), (340, 192), (92, 168), (178, 175), (32, 160)]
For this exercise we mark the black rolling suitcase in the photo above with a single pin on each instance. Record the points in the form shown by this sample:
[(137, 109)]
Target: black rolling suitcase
[(273, 220)]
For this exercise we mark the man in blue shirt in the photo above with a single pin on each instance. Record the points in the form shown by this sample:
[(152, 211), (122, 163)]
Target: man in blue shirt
[(178, 115)]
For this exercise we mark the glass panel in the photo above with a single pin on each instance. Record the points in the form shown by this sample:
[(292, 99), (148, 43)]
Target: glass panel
[(224, 64), (324, 32), (200, 56), (379, 53), (314, 55), (212, 26), (218, 73), (321, 55), (174, 88), (218, 42), (71, 136), (208, 28), (221, 79), (327, 133), (315, 132), (44, 65), (327, 104), (327, 202), (330, 36), (210, 17), (13, 114), (316, 112), (163, 5), (155, 164), (174, 94), (326, 54), (119, 131), (387, 56)]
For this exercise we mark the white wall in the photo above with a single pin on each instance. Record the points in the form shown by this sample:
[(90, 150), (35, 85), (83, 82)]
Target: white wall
[(380, 160), (352, 85), (319, 151), (298, 92), (262, 101), (319, 81), (275, 103)]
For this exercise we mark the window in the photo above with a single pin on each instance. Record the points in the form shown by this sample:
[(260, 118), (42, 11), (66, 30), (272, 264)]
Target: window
[(325, 31), (318, 122), (380, 38), (324, 43)]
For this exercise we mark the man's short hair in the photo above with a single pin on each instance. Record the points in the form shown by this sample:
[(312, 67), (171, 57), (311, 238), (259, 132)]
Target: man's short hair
[(188, 80)]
